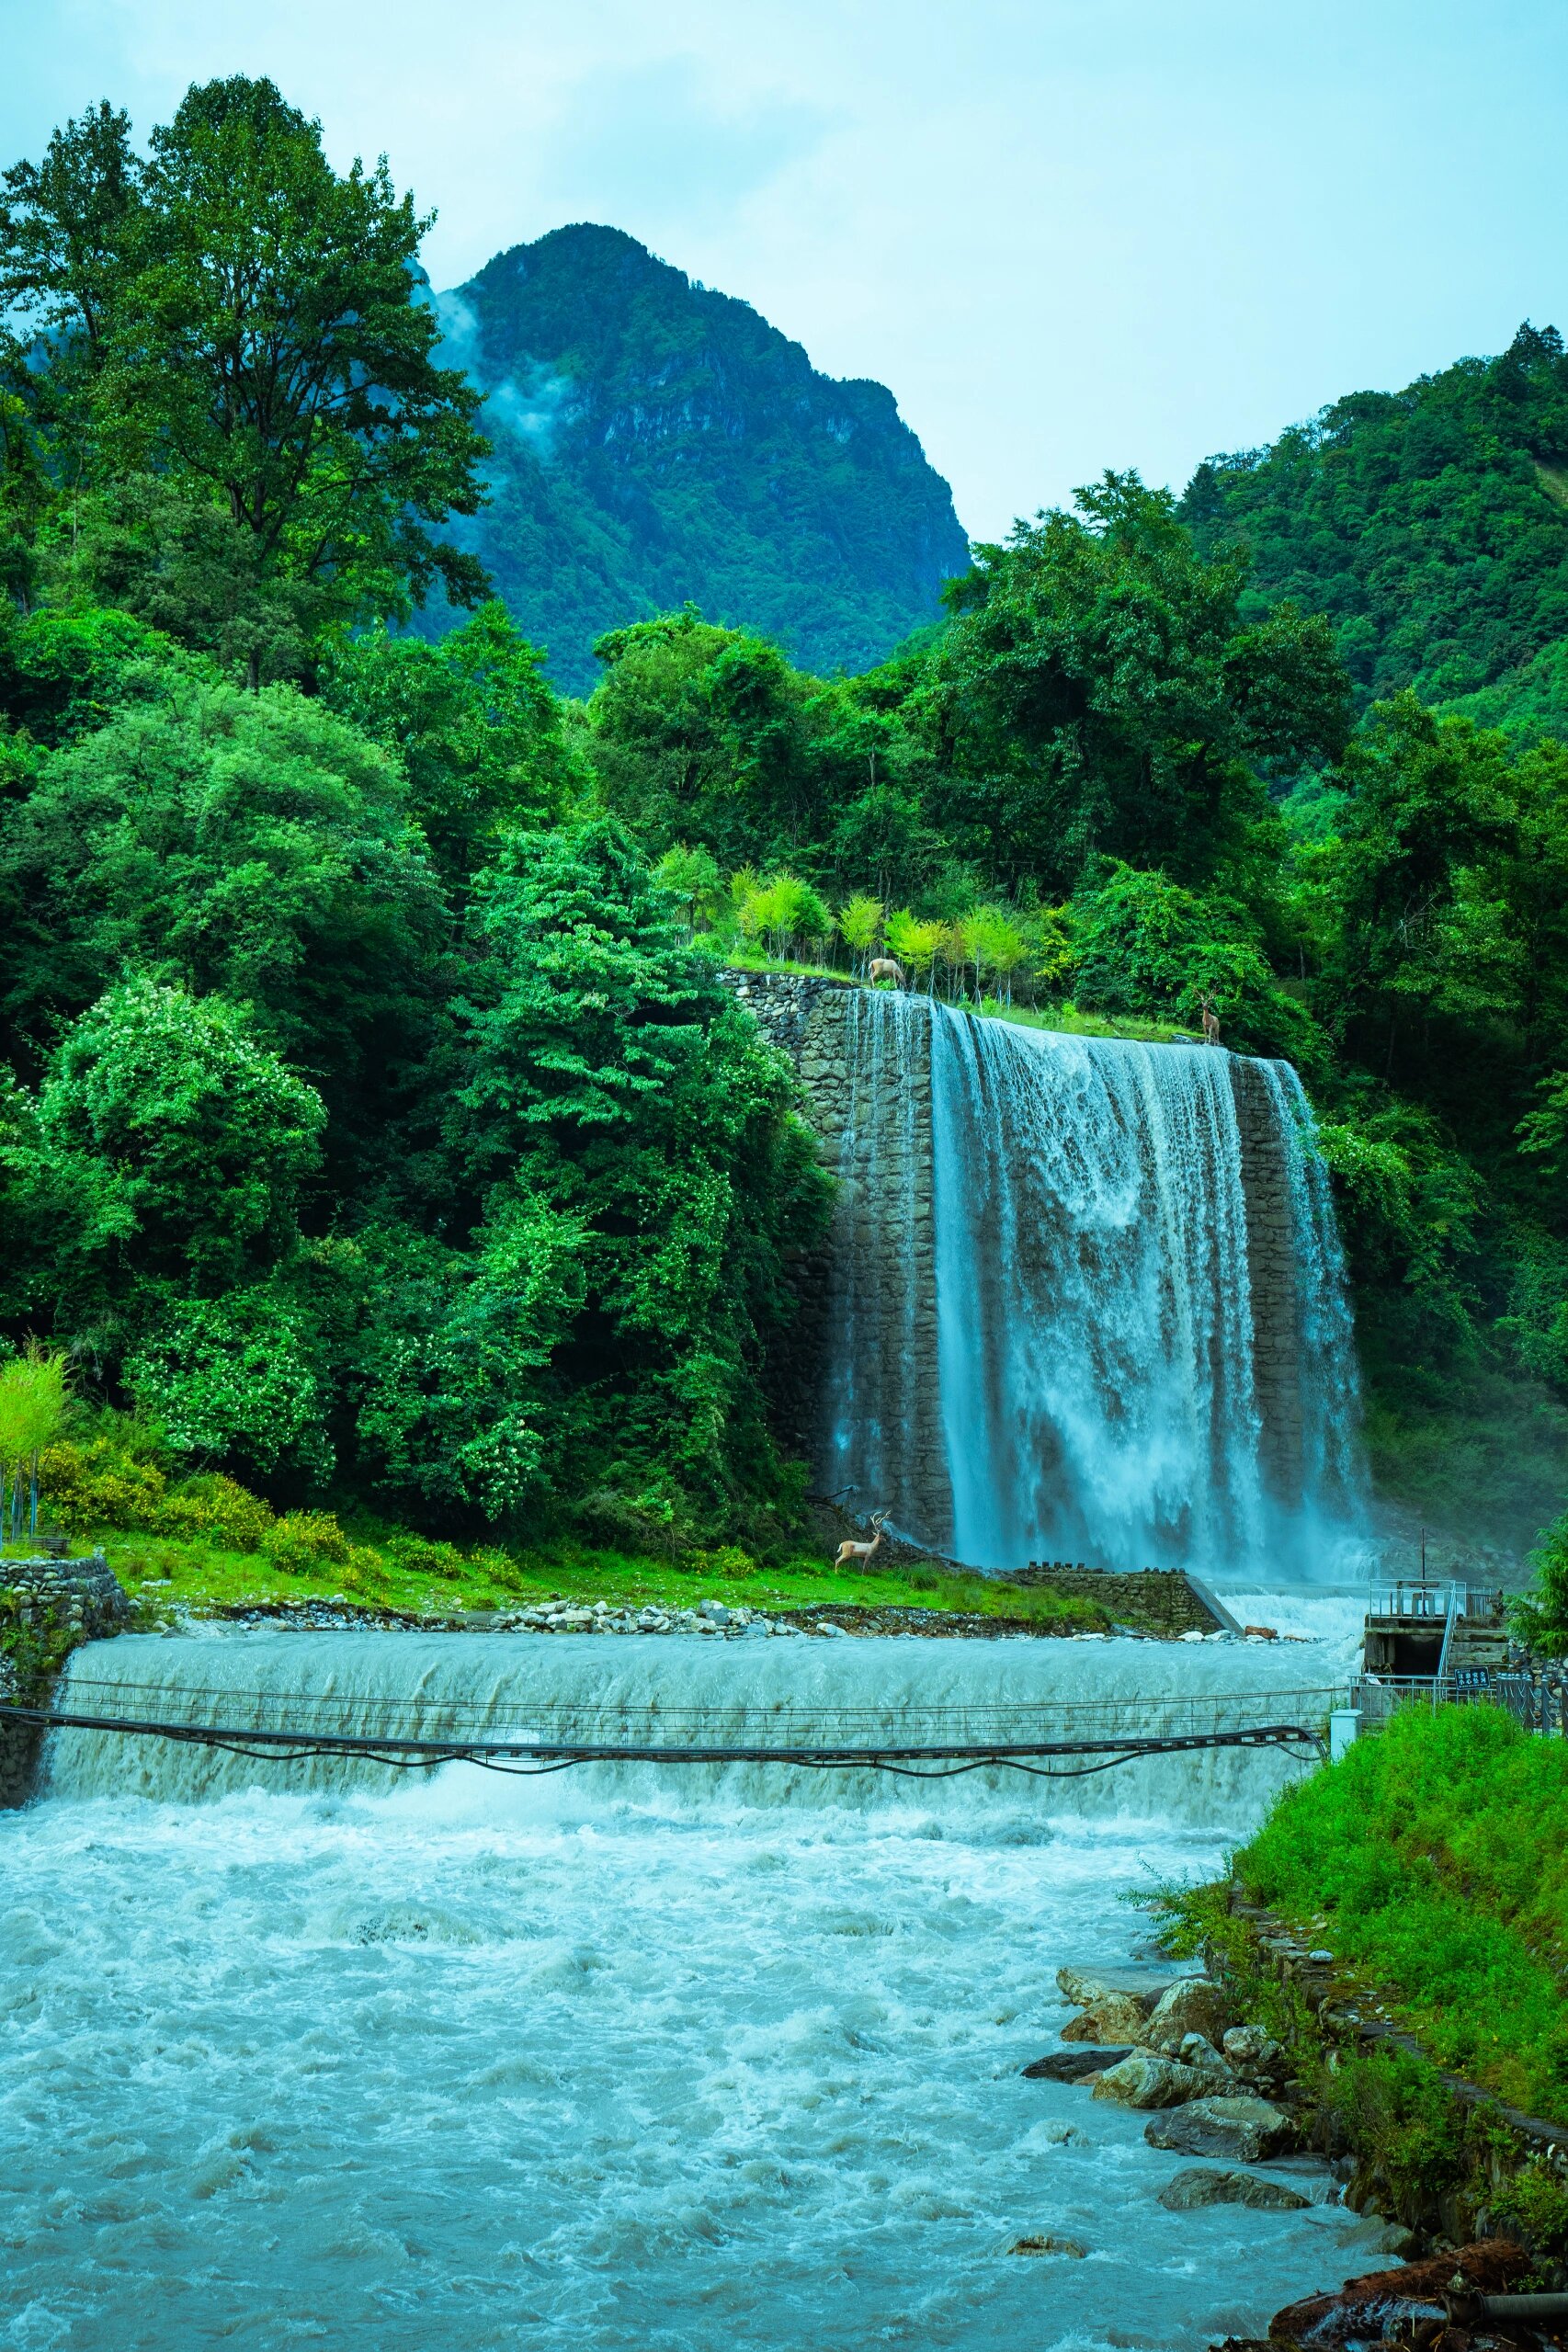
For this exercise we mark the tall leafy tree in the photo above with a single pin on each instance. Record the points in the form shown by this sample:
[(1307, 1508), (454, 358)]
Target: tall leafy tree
[(623, 1121), (255, 343), (1099, 694), (255, 846), (474, 722)]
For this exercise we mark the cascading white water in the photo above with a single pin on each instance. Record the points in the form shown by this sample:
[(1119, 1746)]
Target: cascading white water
[(619, 2059), (1098, 1341), (1333, 1467), (589, 1688)]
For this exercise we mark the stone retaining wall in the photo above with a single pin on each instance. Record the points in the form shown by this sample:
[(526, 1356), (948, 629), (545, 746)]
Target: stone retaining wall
[(864, 1403), (84, 1592), (80, 1597), (1160, 1598)]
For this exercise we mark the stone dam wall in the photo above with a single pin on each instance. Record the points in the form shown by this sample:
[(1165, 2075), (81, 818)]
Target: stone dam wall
[(872, 1115)]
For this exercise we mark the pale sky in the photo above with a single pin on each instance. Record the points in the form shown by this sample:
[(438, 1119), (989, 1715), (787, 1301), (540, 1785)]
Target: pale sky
[(1066, 235)]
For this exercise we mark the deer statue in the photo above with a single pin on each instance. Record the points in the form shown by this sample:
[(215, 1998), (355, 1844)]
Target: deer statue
[(885, 968), (850, 1550), (1210, 1020)]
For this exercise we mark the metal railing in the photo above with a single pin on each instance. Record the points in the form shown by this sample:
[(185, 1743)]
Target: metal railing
[(1538, 1700), (1431, 1602)]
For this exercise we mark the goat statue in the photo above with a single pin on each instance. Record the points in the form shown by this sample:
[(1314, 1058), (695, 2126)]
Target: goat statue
[(853, 1552)]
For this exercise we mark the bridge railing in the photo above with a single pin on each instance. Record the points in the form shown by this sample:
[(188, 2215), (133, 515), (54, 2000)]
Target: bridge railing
[(1539, 1700)]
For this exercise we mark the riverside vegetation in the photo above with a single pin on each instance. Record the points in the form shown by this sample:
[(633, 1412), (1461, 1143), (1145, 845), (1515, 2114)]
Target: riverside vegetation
[(378, 1128), (1429, 1862)]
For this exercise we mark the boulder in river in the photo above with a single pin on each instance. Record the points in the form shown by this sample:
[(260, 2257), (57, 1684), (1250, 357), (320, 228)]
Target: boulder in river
[(1190, 2191), (1069, 2246), (1143, 1985), (1115, 2016), (1193, 2006), (1253, 2054), (1143, 2080), (1245, 2130), (1072, 2065)]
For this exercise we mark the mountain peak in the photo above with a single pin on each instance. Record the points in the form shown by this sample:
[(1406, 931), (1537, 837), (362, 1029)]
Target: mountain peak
[(659, 443)]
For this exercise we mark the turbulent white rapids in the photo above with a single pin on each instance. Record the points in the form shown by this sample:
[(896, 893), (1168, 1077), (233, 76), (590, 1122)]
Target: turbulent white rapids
[(627, 2059)]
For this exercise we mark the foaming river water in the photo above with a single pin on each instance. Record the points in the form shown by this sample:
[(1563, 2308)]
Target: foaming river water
[(610, 2062)]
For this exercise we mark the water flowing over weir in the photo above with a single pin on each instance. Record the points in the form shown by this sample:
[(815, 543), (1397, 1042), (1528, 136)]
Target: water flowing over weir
[(1088, 1299), (684, 1693)]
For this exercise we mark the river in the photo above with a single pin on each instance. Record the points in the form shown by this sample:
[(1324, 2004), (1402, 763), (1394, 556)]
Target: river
[(627, 2059)]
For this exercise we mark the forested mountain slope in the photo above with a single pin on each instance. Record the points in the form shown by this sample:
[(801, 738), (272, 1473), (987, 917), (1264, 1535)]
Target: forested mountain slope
[(1430, 525), (658, 443)]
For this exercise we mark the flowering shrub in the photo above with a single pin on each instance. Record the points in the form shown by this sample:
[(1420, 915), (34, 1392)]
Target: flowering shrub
[(302, 1542), (418, 1555), (218, 1509)]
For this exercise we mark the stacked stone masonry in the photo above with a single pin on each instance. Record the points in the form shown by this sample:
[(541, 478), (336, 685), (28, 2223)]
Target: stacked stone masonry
[(872, 1115), (1271, 1274), (83, 1592)]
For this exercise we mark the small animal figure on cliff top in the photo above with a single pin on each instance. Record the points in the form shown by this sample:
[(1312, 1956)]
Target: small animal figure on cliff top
[(1210, 1020), (885, 968), (849, 1549)]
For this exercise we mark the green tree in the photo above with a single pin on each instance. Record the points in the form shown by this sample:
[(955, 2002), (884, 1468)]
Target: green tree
[(691, 876), (251, 846), (640, 1165), (1149, 947), (475, 725), (914, 943), (35, 1403), (860, 923), (240, 1378), (1542, 1617), (256, 336), (1098, 692), (169, 1154), (701, 734)]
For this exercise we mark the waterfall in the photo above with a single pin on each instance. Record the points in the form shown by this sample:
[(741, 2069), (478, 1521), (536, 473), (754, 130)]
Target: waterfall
[(1089, 1302), (670, 1691)]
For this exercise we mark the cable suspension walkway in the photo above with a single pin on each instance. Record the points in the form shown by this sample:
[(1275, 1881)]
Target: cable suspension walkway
[(1055, 1740)]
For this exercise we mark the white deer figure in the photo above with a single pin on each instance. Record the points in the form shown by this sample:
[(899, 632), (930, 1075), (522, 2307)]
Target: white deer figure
[(852, 1549), (885, 968)]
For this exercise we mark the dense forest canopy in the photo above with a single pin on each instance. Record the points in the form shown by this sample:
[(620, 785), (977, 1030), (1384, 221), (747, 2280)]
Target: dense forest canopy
[(1429, 525), (376, 1119)]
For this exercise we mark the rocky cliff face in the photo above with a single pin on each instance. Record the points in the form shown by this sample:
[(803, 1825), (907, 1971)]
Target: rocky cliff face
[(656, 443)]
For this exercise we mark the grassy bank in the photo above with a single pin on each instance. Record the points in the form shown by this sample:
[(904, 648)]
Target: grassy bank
[(407, 1572), (1433, 1860), (1066, 1020)]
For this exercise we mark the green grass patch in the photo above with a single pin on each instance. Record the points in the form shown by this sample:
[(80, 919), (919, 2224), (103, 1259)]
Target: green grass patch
[(390, 1569), (1065, 1020), (1434, 1859)]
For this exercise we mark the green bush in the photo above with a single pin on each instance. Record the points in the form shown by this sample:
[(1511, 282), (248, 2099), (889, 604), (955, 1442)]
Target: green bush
[(418, 1555), (217, 1508), (1436, 1854), (306, 1541)]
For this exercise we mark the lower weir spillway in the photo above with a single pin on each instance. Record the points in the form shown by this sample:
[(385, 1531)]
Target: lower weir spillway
[(1086, 1298), (844, 1702)]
